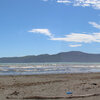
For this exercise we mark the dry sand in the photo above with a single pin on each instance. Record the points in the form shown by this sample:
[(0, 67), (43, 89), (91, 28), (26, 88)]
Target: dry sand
[(50, 87)]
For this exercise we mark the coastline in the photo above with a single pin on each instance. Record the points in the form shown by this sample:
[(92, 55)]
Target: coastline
[(50, 86)]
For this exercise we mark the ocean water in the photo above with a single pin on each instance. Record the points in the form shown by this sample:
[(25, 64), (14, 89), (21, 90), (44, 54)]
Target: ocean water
[(47, 68)]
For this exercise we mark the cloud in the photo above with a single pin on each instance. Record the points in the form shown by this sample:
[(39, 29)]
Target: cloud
[(75, 45), (72, 37), (93, 3), (84, 3), (41, 31), (79, 38), (94, 24), (63, 1)]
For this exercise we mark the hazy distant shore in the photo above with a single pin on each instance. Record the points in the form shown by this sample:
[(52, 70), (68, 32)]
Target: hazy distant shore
[(82, 86), (72, 56)]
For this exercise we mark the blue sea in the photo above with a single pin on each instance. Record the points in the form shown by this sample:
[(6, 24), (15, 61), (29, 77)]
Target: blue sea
[(47, 68)]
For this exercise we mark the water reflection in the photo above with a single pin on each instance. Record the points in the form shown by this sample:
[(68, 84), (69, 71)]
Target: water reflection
[(47, 68)]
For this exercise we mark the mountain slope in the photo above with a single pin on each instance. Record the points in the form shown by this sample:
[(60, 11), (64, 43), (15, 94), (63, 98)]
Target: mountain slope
[(73, 56)]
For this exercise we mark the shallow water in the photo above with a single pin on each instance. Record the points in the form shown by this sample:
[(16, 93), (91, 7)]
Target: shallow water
[(47, 68)]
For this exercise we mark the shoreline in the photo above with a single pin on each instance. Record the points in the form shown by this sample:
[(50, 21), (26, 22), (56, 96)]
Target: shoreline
[(51, 74)]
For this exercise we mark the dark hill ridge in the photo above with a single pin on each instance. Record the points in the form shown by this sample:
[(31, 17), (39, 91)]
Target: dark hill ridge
[(72, 56)]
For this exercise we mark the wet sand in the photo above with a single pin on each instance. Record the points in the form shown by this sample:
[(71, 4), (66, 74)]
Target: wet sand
[(50, 87)]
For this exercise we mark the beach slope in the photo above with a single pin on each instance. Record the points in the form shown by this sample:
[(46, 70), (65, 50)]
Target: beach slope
[(50, 87)]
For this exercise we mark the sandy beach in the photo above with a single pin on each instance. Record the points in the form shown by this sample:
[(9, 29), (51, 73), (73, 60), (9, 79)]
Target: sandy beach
[(51, 87)]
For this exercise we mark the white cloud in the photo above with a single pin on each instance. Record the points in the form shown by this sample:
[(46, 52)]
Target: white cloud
[(79, 38), (75, 45), (41, 31), (73, 37), (63, 1), (94, 24), (84, 3)]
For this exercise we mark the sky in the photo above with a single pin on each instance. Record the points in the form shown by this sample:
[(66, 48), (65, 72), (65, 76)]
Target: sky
[(33, 27)]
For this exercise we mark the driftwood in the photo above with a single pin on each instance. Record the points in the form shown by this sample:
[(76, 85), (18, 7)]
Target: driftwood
[(68, 97)]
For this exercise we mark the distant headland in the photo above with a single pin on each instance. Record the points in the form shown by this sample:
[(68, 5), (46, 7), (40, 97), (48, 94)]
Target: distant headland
[(72, 56)]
